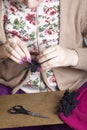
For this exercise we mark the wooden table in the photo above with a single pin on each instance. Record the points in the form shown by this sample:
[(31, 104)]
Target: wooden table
[(42, 103)]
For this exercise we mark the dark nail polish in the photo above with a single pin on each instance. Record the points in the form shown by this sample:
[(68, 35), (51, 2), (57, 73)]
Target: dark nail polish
[(39, 68), (24, 58), (29, 60), (21, 62)]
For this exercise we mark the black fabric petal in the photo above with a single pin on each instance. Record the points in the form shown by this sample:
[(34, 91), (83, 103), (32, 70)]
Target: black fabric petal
[(33, 66), (67, 103)]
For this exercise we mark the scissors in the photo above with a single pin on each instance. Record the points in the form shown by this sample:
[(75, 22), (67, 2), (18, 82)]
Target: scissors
[(18, 109)]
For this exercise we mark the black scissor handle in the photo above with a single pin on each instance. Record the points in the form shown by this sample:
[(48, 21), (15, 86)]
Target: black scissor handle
[(17, 110)]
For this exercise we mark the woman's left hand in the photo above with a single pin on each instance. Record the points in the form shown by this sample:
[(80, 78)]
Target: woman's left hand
[(57, 56)]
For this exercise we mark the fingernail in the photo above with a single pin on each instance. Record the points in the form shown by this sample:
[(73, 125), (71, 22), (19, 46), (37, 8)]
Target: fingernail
[(39, 68), (21, 62), (29, 60), (24, 58)]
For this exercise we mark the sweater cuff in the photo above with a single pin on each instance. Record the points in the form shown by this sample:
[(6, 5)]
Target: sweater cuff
[(82, 54)]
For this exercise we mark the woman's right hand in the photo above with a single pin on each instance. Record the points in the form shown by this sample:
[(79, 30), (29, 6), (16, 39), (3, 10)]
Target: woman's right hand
[(15, 49)]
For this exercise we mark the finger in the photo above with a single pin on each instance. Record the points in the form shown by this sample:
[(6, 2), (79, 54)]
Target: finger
[(51, 63), (13, 52), (13, 58), (49, 50), (48, 56), (25, 50), (17, 48)]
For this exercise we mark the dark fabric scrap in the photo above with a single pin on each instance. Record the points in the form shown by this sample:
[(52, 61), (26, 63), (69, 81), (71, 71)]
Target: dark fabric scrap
[(67, 103)]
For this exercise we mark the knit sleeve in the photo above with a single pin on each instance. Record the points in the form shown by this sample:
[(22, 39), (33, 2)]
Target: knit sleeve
[(84, 18), (82, 52)]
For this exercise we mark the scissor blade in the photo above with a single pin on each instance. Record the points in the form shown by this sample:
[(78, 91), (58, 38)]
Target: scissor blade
[(36, 114)]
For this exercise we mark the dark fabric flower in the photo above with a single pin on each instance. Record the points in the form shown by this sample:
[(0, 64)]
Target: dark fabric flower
[(67, 103), (34, 66)]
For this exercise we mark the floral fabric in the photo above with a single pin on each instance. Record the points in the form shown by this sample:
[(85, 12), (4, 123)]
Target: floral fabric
[(39, 29)]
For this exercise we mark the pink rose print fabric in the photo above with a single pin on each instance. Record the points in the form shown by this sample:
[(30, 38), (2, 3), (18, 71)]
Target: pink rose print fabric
[(39, 28)]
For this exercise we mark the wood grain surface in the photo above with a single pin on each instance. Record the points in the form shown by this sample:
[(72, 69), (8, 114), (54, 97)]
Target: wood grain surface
[(42, 103)]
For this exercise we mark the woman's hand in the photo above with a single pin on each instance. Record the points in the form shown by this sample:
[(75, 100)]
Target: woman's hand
[(57, 56), (15, 49)]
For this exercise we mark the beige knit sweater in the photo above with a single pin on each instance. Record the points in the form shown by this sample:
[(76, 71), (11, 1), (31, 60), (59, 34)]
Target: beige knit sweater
[(73, 28)]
